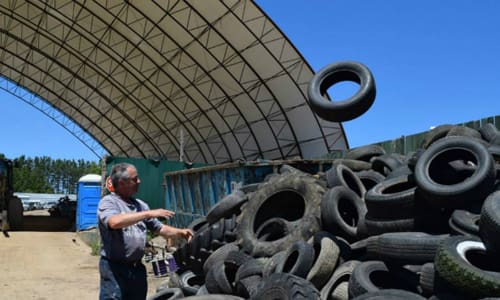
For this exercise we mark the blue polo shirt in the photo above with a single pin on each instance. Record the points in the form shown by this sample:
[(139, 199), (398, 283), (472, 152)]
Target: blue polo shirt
[(125, 244)]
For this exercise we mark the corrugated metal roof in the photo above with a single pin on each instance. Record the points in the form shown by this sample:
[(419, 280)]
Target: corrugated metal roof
[(202, 81)]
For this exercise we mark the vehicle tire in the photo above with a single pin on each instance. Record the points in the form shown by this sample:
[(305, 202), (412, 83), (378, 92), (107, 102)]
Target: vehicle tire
[(404, 248), (488, 132), (248, 286), (341, 292), (327, 254), (339, 276), (272, 229), (441, 186), (167, 294), (489, 222), (197, 224), (226, 207), (272, 263), (350, 108), (370, 178), (251, 267), (294, 197), (214, 297), (353, 164), (390, 294), (376, 226), (217, 281), (386, 163), (435, 134), (371, 276), (341, 175), (464, 263), (464, 131), (341, 210), (219, 255), (427, 278), (191, 282), (464, 222), (392, 198), (298, 259), (286, 286), (365, 153)]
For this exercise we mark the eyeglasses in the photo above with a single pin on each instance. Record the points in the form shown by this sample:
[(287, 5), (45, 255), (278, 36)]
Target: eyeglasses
[(134, 179)]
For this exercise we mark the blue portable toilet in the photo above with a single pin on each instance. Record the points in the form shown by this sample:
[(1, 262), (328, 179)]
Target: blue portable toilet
[(87, 199)]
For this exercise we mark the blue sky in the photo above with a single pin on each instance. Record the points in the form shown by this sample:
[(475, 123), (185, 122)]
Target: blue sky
[(434, 62)]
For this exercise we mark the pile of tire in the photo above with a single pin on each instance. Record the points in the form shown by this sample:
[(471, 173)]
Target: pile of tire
[(376, 225)]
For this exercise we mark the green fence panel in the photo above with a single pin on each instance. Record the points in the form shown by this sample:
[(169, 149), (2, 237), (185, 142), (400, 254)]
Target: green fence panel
[(151, 174)]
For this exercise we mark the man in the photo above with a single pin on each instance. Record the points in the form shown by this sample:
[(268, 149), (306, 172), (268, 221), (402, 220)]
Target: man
[(123, 222)]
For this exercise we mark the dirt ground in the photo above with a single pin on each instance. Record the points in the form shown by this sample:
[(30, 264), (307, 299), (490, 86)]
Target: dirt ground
[(49, 261)]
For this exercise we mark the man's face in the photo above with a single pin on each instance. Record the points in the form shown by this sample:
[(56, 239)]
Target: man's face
[(129, 187)]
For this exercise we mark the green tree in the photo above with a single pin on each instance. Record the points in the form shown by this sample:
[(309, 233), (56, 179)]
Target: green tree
[(46, 175)]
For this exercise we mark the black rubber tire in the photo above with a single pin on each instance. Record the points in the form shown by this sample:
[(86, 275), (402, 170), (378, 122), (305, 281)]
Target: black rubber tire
[(341, 210), (298, 259), (219, 255), (197, 224), (341, 291), (217, 230), (387, 163), (217, 280), (249, 268), (464, 263), (225, 273), (226, 207), (464, 222), (295, 197), (370, 178), (375, 226), (353, 164), (342, 175), (404, 248), (272, 229), (272, 263), (341, 274), (371, 276), (350, 108), (202, 291), (488, 132), (248, 286), (403, 170), (489, 222), (392, 198), (167, 294), (435, 134), (439, 184), (464, 131), (286, 286), (327, 254), (365, 153), (427, 278), (214, 297), (191, 282), (390, 294)]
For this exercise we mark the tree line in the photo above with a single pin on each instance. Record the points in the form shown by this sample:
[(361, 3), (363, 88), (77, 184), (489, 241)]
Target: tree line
[(51, 176)]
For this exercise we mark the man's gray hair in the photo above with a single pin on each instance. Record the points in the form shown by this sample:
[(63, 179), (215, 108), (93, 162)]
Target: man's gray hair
[(119, 171)]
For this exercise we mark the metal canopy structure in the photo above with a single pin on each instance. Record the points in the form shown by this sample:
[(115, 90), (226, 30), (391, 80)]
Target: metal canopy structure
[(193, 80)]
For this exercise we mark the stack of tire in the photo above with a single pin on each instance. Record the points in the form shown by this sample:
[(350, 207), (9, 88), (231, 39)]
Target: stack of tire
[(375, 225)]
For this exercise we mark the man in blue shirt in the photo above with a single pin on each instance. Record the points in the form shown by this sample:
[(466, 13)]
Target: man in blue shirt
[(123, 223)]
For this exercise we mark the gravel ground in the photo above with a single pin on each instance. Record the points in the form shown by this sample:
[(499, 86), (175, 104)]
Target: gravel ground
[(51, 265)]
